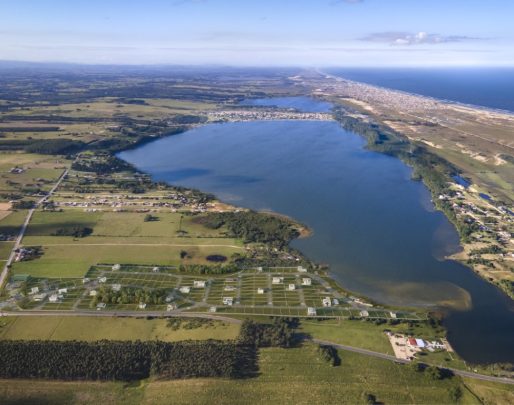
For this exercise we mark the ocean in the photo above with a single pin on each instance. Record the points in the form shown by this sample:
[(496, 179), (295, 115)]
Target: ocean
[(485, 87)]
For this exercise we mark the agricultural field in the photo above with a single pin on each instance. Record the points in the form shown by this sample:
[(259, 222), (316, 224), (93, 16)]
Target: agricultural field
[(285, 374), (113, 328)]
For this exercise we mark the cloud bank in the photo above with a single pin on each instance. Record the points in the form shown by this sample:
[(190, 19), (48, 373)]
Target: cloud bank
[(419, 38)]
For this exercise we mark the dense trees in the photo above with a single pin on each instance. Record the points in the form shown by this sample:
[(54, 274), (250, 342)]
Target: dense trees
[(128, 295), (115, 360), (279, 333), (54, 146), (253, 227), (101, 164)]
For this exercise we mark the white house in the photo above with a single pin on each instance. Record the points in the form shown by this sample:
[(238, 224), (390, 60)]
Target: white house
[(302, 269), (212, 309), (116, 267), (171, 307), (306, 281), (259, 269), (102, 279), (39, 297), (155, 269), (116, 287), (228, 301), (260, 290), (141, 305), (277, 280), (392, 315), (62, 290), (291, 287), (85, 280), (93, 293), (34, 290), (199, 284), (185, 290), (327, 302), (53, 298), (311, 311), (229, 288), (335, 301), (364, 313), (101, 305)]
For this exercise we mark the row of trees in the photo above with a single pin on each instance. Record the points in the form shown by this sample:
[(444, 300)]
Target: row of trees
[(126, 361), (128, 295), (208, 269)]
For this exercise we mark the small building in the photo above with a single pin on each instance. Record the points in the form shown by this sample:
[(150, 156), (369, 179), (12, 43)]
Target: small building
[(228, 301), (100, 306), (260, 290), (141, 305), (116, 287), (53, 298), (311, 311), (102, 279), (259, 269), (327, 302), (420, 343), (229, 288), (116, 267), (34, 290), (291, 287), (392, 315), (93, 293), (62, 290), (185, 290), (171, 307), (212, 309), (277, 280), (412, 342), (364, 313), (306, 281), (85, 280), (155, 270), (302, 269), (199, 284), (39, 297), (335, 301)]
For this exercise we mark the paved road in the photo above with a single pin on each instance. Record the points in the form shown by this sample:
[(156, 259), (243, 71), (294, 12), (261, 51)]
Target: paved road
[(113, 314), (5, 271), (384, 356)]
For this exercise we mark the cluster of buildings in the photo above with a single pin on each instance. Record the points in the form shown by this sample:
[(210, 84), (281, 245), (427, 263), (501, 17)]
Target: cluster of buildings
[(265, 114)]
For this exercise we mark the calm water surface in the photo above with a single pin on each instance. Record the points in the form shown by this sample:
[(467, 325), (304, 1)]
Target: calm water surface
[(374, 226)]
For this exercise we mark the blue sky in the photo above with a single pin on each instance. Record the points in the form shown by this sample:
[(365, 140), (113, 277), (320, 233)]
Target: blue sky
[(260, 32)]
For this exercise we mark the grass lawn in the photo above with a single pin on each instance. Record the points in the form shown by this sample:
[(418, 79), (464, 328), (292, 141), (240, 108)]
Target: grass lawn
[(97, 328), (75, 261), (12, 223), (5, 250)]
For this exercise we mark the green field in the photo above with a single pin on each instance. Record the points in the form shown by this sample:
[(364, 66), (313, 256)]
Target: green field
[(365, 334), (286, 376), (98, 328)]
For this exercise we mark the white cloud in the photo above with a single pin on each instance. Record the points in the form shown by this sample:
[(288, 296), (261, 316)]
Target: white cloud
[(421, 37)]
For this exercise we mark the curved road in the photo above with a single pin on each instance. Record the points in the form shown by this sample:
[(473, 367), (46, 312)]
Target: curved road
[(384, 356)]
